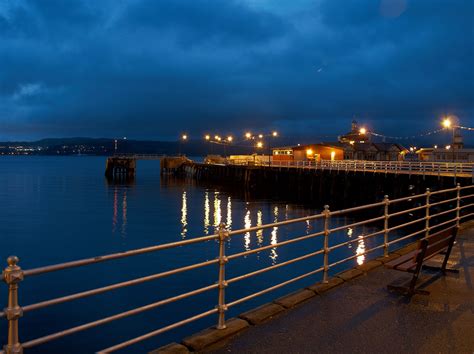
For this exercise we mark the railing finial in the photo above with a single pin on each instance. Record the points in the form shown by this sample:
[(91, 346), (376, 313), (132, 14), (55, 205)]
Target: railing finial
[(12, 275)]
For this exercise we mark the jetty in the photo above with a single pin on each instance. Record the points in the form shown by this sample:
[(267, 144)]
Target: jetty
[(124, 166), (339, 184)]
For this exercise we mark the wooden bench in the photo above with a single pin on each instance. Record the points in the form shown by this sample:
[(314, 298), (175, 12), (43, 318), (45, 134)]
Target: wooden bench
[(412, 262)]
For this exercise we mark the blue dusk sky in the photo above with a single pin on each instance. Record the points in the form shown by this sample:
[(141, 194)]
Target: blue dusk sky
[(151, 69)]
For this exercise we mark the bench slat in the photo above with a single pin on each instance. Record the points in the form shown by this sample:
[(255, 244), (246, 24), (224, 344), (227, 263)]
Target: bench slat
[(409, 257), (437, 247), (441, 235)]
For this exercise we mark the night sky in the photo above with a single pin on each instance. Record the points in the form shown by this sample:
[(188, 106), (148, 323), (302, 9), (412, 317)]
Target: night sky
[(152, 69)]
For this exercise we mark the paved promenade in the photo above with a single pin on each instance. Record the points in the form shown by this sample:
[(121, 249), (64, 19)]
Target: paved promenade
[(360, 316)]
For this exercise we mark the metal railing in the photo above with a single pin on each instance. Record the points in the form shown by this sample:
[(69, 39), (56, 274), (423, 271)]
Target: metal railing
[(398, 167), (398, 220)]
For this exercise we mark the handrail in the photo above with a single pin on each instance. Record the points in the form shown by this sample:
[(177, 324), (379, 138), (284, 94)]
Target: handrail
[(448, 201), (87, 261), (435, 168)]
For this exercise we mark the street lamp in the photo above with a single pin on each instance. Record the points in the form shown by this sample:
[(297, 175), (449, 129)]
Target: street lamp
[(260, 145), (248, 135), (230, 138), (275, 134), (207, 137), (184, 137), (362, 131)]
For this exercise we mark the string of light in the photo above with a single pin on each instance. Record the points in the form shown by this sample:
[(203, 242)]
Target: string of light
[(464, 128), (407, 137)]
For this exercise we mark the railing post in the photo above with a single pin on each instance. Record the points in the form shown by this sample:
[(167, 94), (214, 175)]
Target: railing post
[(327, 216), (385, 226), (427, 221), (12, 275), (223, 234), (458, 204)]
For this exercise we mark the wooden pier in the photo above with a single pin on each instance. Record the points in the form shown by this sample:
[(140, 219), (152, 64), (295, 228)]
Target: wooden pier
[(120, 167), (123, 167), (338, 188)]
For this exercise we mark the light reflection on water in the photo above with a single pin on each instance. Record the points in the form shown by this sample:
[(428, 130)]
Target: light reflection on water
[(207, 213), (259, 232), (274, 239), (248, 225), (217, 210), (229, 213), (120, 193), (360, 250), (258, 213), (184, 215), (124, 214)]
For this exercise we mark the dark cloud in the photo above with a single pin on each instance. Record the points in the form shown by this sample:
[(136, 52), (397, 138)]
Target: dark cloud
[(150, 69)]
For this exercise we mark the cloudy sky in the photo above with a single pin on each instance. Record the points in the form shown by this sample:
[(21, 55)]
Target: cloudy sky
[(156, 68)]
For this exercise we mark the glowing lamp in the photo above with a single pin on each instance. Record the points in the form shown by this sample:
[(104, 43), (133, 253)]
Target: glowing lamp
[(447, 123)]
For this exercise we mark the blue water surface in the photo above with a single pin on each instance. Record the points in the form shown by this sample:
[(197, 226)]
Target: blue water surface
[(57, 209)]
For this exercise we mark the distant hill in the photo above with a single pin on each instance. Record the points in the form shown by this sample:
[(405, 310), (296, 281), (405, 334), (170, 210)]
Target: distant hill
[(106, 146)]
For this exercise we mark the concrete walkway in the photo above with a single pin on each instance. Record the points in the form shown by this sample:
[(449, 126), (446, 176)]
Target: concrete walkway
[(360, 316)]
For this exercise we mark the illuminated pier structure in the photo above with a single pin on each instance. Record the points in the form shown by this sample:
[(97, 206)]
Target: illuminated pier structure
[(340, 188)]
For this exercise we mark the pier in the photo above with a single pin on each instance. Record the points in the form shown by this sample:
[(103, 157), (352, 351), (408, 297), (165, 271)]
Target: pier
[(123, 167), (341, 185)]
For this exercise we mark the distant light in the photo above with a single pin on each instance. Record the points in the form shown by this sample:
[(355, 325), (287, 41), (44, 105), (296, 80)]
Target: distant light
[(124, 138), (184, 137), (448, 147), (259, 144), (436, 146), (207, 137), (275, 134), (309, 151), (411, 149), (299, 144), (447, 123), (362, 131), (352, 142), (216, 137), (229, 138), (248, 135), (260, 136), (333, 155)]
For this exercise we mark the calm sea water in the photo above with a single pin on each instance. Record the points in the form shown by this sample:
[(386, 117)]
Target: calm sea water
[(56, 209)]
